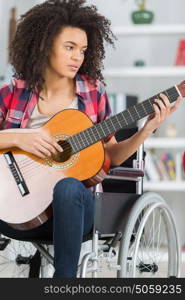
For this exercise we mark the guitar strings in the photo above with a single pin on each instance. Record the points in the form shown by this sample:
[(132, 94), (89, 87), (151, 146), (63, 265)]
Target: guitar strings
[(104, 129), (68, 148), (30, 173)]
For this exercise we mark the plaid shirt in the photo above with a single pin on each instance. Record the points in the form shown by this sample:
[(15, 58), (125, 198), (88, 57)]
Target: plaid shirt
[(17, 103)]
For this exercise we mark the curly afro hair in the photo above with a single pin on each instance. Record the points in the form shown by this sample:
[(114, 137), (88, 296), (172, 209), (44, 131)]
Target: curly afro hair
[(37, 29)]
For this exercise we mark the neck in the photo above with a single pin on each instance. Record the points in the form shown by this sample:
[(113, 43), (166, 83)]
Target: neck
[(55, 85)]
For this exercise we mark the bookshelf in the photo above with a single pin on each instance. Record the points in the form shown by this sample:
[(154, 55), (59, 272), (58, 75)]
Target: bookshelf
[(169, 72), (145, 72), (149, 29), (168, 144), (165, 142), (168, 186)]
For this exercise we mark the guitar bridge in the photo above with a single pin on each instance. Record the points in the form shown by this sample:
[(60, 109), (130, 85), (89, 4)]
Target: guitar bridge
[(21, 184)]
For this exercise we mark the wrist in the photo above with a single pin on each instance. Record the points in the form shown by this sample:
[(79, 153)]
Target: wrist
[(15, 139), (146, 132)]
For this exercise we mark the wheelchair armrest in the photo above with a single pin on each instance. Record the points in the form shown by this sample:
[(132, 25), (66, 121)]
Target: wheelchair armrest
[(126, 172)]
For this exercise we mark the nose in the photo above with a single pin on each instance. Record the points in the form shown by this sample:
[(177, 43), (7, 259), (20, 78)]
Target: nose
[(77, 56)]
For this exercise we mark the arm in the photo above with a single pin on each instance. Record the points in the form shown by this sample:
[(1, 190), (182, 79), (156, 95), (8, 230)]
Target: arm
[(7, 139), (119, 152), (35, 141)]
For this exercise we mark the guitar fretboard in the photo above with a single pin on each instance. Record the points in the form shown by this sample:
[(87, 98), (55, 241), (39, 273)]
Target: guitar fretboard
[(113, 124)]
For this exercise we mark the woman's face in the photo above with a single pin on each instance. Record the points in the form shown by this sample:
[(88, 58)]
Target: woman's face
[(68, 52)]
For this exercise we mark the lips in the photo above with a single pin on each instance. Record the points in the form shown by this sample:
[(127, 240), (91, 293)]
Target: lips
[(73, 67)]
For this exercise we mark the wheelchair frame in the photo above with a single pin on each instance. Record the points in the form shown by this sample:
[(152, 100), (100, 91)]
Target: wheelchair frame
[(105, 246)]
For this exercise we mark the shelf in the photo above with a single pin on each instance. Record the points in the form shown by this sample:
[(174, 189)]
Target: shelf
[(146, 72), (148, 29), (168, 186), (165, 143)]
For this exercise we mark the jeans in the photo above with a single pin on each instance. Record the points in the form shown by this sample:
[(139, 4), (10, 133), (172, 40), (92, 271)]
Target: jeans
[(73, 211)]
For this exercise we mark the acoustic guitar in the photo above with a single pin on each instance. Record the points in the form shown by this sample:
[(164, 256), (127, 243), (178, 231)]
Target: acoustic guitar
[(27, 181)]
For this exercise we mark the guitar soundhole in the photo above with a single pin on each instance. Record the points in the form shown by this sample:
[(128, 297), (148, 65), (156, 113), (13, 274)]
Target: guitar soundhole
[(65, 155)]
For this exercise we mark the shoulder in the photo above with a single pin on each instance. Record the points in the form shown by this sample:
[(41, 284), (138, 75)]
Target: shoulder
[(15, 89), (6, 92), (18, 83), (88, 84), (13, 85)]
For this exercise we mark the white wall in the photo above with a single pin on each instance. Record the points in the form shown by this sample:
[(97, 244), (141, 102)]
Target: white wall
[(5, 6)]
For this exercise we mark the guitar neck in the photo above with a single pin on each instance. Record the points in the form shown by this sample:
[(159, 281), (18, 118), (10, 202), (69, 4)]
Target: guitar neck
[(113, 124)]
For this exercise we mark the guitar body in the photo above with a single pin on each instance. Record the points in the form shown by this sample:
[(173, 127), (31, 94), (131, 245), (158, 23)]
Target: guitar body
[(39, 176)]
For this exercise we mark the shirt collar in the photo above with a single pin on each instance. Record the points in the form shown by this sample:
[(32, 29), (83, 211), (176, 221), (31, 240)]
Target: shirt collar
[(80, 86)]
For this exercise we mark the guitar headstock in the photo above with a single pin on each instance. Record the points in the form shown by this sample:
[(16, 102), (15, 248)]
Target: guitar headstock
[(181, 88)]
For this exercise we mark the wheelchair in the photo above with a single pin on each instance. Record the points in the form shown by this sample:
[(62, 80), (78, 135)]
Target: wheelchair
[(134, 233)]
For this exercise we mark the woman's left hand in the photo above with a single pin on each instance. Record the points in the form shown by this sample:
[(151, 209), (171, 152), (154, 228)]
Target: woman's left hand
[(163, 109)]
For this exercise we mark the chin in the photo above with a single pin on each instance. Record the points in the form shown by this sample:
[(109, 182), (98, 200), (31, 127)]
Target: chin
[(69, 75)]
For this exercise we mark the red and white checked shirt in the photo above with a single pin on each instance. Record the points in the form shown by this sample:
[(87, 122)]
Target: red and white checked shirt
[(17, 102)]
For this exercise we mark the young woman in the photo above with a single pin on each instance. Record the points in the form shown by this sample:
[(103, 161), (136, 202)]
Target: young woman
[(57, 55)]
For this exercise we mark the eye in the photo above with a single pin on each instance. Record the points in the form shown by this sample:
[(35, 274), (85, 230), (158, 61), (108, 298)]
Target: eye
[(69, 47), (83, 51)]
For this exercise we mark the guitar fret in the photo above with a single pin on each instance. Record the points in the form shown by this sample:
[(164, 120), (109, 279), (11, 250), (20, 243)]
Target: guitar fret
[(128, 117), (150, 102), (97, 133), (85, 138), (106, 127), (166, 93), (113, 124), (131, 115), (99, 127), (118, 120), (123, 119), (74, 145), (88, 132), (91, 129), (149, 106), (74, 137), (112, 128), (136, 111), (82, 142), (144, 108), (103, 129)]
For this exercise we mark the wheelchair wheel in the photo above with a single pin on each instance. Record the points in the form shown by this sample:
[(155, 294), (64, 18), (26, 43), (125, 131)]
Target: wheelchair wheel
[(15, 258), (149, 246)]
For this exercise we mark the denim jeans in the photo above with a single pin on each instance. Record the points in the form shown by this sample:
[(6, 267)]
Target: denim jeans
[(73, 217)]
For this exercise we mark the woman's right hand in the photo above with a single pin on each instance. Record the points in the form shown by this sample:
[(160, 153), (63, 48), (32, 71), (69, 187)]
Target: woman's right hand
[(38, 142)]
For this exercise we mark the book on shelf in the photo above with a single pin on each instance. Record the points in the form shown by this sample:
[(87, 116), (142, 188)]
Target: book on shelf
[(162, 170), (150, 167), (179, 166), (168, 166), (169, 163), (180, 56)]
